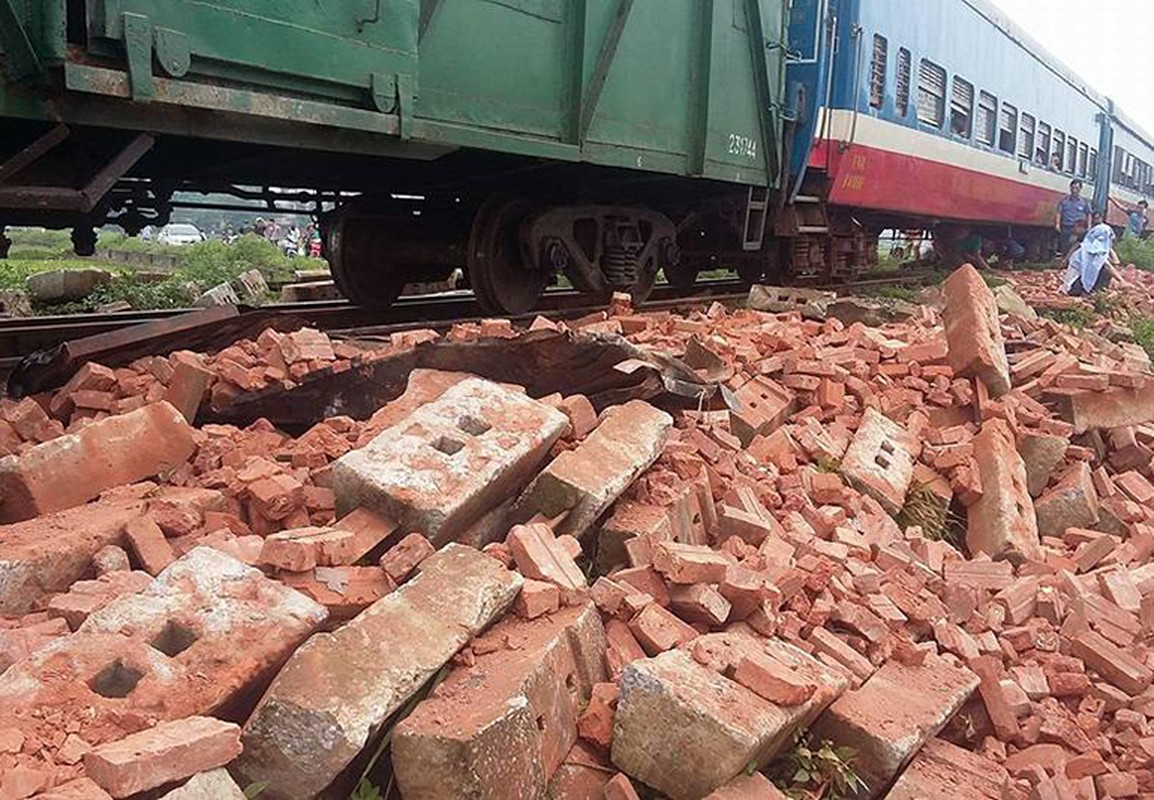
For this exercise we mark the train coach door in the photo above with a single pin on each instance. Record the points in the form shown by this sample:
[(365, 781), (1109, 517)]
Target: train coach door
[(808, 79)]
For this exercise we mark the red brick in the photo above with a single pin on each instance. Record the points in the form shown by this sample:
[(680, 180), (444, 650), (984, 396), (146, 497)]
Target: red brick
[(537, 598), (622, 646), (77, 467), (976, 348), (78, 789), (699, 602), (344, 591), (657, 630), (596, 722), (189, 385), (772, 680), (401, 559), (148, 543), (160, 755), (620, 788), (302, 549), (1113, 664), (689, 563), (1115, 408), (989, 672), (581, 414), (277, 496), (539, 556), (764, 406)]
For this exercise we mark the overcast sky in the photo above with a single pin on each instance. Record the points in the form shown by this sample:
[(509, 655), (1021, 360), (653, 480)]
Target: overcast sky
[(1108, 42)]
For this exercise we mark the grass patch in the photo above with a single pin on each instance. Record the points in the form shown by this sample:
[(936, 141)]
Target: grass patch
[(906, 293), (1143, 330), (993, 281), (200, 267), (1077, 317), (1139, 252)]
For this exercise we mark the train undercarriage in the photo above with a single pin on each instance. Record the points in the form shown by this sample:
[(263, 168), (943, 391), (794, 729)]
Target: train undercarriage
[(513, 226)]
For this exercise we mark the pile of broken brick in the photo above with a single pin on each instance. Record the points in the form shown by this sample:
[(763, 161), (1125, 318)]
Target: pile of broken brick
[(930, 541)]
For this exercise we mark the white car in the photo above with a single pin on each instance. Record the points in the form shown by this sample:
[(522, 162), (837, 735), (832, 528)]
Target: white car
[(179, 233)]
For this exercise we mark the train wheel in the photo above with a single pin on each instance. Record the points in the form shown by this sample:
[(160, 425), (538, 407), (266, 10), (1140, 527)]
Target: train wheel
[(500, 280), (681, 276), (357, 250)]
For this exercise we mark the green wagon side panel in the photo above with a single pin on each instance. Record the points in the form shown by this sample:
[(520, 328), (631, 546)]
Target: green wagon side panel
[(689, 87)]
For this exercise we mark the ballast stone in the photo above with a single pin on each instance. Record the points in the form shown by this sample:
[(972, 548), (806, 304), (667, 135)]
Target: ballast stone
[(583, 483), (501, 726), (76, 467), (339, 687), (451, 461)]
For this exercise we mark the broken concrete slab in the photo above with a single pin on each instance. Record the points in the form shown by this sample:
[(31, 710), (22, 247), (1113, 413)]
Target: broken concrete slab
[(1041, 453), (582, 483), (1002, 521), (145, 656), (892, 715), (974, 333), (811, 303), (1114, 408), (686, 730), (501, 726), (879, 462), (337, 689), (444, 466), (941, 769), (215, 784), (1071, 503), (76, 467)]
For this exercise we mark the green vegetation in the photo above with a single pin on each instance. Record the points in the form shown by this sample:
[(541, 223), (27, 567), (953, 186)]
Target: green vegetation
[(199, 267), (807, 772), (1076, 318), (1143, 330), (906, 293), (1139, 252), (927, 510), (993, 281)]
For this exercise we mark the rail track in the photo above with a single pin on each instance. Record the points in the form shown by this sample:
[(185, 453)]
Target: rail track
[(22, 336)]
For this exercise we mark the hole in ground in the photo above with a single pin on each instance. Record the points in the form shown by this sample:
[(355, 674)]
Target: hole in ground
[(115, 680), (174, 639)]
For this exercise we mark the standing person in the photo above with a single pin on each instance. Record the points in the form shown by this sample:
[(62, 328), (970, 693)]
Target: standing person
[(1094, 263), (1072, 218), (1136, 224)]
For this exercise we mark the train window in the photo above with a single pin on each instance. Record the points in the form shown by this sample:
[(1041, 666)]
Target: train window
[(1119, 164), (1008, 128), (931, 93), (987, 120), (1093, 164), (1042, 151), (1059, 151), (1083, 151), (1071, 155), (878, 71), (903, 82), (962, 108), (1026, 146)]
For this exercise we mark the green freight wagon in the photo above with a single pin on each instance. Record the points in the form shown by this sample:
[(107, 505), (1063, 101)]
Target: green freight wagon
[(517, 139)]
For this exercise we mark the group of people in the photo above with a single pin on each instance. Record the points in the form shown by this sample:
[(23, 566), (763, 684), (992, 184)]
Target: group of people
[(1087, 243), (292, 239)]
